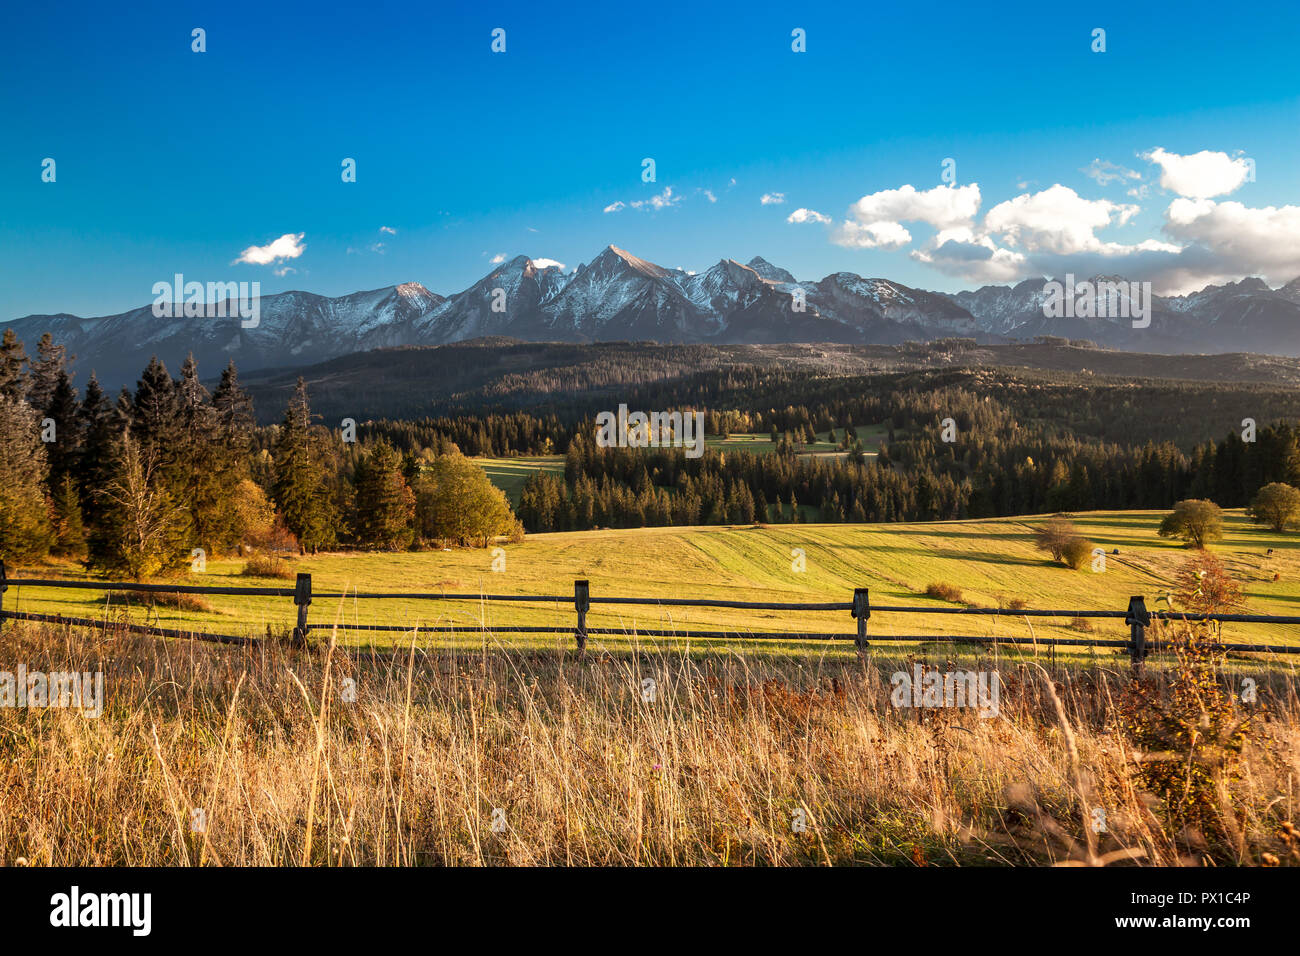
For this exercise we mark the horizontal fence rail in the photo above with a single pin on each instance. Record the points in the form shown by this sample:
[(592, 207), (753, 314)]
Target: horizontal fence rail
[(1136, 615)]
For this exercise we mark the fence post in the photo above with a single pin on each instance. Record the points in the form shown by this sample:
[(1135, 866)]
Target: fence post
[(1138, 619), (302, 598), (861, 611), (4, 586), (582, 604)]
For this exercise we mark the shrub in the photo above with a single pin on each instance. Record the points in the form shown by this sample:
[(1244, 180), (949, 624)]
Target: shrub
[(182, 601), (1204, 587), (944, 592), (266, 566), (173, 599), (1077, 552), (1017, 604), (1055, 535)]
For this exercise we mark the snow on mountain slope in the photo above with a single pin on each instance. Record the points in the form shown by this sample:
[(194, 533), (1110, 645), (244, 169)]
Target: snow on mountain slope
[(618, 296)]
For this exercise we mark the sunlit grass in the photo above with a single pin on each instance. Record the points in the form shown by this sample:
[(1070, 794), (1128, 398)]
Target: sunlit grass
[(992, 562)]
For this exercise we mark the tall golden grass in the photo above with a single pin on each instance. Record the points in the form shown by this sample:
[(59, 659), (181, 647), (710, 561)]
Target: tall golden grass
[(574, 765)]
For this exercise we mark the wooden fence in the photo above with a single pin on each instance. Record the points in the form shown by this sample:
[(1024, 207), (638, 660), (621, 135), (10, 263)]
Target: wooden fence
[(1135, 615)]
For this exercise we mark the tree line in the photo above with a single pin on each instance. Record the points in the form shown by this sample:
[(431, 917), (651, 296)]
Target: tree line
[(145, 483)]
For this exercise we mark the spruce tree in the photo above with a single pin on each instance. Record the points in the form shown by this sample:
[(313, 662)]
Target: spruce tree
[(50, 364), (302, 476), (24, 521), (385, 505), (13, 367)]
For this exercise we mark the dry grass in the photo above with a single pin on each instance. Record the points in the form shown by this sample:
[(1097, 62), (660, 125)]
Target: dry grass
[(944, 592), (178, 600), (714, 770), (266, 566)]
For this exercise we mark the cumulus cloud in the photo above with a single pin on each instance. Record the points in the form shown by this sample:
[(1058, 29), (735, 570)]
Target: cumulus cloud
[(547, 263), (1241, 240), (942, 207), (871, 235), (499, 258), (1055, 220), (772, 199), (288, 246), (388, 229), (807, 215), (615, 206), (1201, 175), (1055, 230)]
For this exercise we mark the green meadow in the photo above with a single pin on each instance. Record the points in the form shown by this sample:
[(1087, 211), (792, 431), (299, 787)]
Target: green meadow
[(993, 562), (509, 474)]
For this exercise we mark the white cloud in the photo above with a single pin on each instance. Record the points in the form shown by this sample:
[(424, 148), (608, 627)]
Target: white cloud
[(1200, 175), (772, 199), (1105, 172), (807, 215), (288, 246), (872, 235), (660, 201), (499, 258), (1051, 232), (1055, 230), (1241, 240), (1055, 220), (388, 229), (941, 207), (547, 263), (708, 194)]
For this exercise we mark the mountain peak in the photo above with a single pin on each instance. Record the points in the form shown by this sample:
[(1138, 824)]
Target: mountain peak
[(612, 256), (414, 290), (768, 271)]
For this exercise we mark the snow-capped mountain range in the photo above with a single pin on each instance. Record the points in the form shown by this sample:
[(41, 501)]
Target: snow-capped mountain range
[(618, 296)]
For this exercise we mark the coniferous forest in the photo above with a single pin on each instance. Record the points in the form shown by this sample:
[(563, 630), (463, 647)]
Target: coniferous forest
[(139, 482)]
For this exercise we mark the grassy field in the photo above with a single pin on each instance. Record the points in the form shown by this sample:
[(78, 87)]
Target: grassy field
[(993, 562), (527, 758), (509, 474), (870, 435)]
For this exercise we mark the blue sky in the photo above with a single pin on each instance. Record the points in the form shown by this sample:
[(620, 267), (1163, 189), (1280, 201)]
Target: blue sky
[(173, 161)]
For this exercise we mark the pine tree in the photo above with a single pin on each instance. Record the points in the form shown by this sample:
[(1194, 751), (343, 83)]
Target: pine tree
[(303, 471), (64, 452), (50, 364), (142, 525), (385, 505), (154, 412), (234, 409), (24, 521), (206, 466), (13, 371)]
